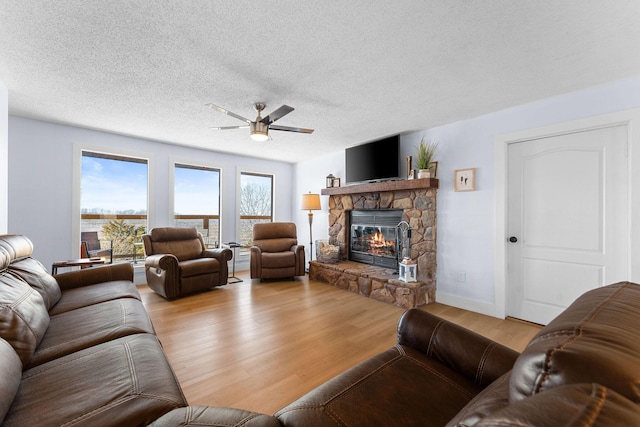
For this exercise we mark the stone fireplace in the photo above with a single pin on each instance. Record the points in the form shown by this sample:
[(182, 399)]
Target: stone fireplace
[(416, 201)]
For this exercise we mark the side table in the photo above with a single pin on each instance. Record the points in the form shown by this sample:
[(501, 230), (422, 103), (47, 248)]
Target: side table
[(233, 246), (81, 262)]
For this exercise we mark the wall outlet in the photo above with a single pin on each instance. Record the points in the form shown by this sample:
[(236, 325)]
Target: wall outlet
[(462, 276)]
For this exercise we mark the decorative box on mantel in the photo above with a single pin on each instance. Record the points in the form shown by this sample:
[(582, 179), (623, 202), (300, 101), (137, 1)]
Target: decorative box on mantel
[(417, 200)]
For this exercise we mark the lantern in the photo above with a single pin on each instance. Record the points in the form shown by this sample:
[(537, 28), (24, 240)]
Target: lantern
[(408, 270), (330, 179)]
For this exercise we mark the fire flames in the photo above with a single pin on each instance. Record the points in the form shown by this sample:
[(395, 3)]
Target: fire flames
[(379, 246)]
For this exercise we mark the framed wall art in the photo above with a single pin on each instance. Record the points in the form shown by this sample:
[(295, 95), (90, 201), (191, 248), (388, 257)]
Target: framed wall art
[(434, 169), (464, 179)]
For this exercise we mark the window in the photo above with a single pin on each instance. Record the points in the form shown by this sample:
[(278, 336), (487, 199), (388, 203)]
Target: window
[(197, 200), (113, 202), (256, 203)]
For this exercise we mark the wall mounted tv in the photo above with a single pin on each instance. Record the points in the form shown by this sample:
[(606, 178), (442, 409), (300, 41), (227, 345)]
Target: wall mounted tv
[(373, 161)]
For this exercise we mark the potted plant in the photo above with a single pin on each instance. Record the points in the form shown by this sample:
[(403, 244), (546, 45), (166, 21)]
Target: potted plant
[(424, 159)]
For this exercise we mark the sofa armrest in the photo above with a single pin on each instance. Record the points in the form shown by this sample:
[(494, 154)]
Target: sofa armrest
[(256, 262), (300, 261), (161, 271), (214, 416), (161, 261), (223, 255), (478, 358), (94, 275)]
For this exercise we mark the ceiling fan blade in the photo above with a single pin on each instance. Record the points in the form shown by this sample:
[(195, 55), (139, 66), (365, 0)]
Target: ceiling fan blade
[(290, 129), (225, 111), (277, 114), (228, 127)]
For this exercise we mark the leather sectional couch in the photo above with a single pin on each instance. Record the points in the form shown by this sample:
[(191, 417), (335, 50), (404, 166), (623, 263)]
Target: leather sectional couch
[(79, 349), (580, 370)]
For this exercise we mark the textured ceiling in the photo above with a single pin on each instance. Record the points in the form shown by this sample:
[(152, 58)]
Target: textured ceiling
[(353, 71)]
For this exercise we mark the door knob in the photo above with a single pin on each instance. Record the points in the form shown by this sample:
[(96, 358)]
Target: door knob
[(513, 239)]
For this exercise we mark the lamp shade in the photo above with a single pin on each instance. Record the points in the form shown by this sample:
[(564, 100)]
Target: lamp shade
[(259, 131), (310, 202)]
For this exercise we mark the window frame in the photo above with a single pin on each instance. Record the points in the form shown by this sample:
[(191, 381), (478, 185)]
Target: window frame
[(201, 166), (241, 217), (76, 203)]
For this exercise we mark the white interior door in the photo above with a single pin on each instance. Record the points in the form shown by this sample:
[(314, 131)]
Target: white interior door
[(568, 222)]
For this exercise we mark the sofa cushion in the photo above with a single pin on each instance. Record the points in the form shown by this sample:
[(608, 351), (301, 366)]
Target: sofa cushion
[(211, 416), (490, 400), (127, 381), (399, 387), (10, 373), (198, 266), (34, 273), (74, 298), (575, 405), (278, 259), (274, 230), (16, 245), (94, 275), (595, 340), (87, 326), (184, 243), (5, 259), (182, 249), (275, 245), (23, 315)]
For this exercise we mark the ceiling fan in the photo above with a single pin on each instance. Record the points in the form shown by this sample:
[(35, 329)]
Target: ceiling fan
[(259, 129)]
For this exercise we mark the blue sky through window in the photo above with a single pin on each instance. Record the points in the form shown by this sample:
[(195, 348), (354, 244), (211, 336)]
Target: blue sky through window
[(113, 186), (197, 191)]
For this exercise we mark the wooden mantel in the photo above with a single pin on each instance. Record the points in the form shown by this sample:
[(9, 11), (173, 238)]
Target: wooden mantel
[(399, 185)]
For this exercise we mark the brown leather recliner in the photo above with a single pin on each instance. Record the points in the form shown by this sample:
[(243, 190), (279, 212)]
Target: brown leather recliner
[(275, 252), (178, 262)]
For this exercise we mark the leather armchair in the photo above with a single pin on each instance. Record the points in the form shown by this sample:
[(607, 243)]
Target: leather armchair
[(178, 262), (275, 252)]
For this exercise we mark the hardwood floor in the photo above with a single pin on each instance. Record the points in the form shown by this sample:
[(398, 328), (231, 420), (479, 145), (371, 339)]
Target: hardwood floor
[(259, 346)]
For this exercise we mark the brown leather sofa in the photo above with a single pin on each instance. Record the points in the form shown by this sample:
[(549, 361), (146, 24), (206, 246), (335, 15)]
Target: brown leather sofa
[(77, 348), (580, 370), (275, 252), (178, 262)]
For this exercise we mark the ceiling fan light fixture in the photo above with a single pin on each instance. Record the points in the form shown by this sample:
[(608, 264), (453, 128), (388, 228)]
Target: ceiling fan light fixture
[(259, 131)]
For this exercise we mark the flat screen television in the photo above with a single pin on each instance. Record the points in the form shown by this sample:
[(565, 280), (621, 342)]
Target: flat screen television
[(373, 161)]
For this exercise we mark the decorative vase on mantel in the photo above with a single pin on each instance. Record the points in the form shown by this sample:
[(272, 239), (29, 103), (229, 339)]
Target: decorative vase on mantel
[(424, 173)]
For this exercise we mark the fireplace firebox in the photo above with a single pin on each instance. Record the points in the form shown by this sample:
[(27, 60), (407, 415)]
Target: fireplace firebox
[(373, 237)]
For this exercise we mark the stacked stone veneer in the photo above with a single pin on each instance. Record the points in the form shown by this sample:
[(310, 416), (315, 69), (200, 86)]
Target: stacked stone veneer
[(419, 211), (374, 282)]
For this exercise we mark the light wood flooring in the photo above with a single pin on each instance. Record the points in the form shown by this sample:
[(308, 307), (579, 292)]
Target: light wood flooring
[(260, 345)]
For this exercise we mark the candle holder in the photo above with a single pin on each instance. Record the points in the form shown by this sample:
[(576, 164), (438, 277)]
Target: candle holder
[(408, 270)]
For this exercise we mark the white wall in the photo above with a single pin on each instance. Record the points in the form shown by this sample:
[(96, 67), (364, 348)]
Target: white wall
[(4, 159), (310, 176), (466, 220), (42, 203)]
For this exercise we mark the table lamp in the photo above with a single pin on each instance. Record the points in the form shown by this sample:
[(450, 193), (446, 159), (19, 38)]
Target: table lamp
[(310, 202)]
